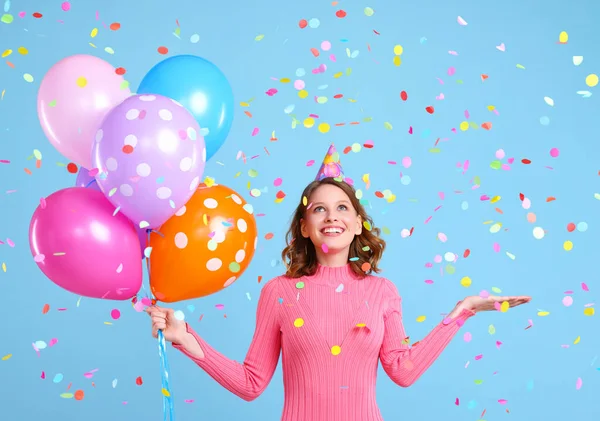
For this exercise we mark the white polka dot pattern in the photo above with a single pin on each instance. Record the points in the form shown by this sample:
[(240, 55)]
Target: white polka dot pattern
[(149, 152)]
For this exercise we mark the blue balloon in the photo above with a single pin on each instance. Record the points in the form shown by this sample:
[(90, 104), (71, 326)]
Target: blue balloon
[(201, 88)]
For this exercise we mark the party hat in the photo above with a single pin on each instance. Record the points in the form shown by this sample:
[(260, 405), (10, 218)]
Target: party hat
[(331, 166)]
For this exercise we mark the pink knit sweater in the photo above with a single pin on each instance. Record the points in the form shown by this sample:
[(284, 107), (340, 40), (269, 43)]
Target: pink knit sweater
[(332, 329)]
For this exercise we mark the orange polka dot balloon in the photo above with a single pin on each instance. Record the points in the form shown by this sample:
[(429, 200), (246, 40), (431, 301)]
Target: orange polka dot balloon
[(204, 247)]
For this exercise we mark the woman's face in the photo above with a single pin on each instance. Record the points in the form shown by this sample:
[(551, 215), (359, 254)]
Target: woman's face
[(330, 221)]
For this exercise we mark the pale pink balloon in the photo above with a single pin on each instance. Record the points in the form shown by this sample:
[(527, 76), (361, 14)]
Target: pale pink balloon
[(81, 247), (73, 98)]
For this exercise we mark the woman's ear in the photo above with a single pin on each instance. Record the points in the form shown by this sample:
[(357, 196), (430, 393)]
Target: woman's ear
[(358, 225), (303, 228)]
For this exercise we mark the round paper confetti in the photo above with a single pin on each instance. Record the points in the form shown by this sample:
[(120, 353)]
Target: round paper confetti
[(591, 80)]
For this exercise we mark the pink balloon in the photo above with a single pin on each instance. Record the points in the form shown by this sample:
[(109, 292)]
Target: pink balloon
[(78, 243), (74, 96)]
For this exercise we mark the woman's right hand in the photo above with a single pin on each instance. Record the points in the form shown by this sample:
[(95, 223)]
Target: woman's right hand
[(174, 330)]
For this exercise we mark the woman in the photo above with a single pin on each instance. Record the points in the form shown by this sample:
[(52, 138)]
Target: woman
[(332, 319)]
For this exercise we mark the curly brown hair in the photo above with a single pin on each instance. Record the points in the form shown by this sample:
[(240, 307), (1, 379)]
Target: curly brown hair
[(299, 255)]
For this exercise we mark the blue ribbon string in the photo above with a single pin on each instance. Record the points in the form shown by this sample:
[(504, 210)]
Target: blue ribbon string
[(165, 370)]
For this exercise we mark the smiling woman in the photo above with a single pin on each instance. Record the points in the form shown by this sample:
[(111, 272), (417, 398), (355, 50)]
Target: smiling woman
[(330, 225)]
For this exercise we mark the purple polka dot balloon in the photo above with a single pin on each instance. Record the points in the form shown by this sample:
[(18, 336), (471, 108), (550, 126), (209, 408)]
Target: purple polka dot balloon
[(150, 156)]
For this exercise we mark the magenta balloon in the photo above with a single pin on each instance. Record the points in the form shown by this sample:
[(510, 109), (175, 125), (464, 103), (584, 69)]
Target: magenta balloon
[(73, 98), (78, 243), (150, 156)]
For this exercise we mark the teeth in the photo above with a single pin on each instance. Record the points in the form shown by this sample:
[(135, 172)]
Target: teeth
[(332, 230)]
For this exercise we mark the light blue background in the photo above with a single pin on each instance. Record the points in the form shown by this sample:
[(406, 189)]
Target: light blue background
[(531, 370)]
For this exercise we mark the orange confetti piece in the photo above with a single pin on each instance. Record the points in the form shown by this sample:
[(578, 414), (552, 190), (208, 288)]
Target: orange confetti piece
[(38, 163), (525, 161), (315, 52), (550, 199), (27, 171), (487, 125), (37, 15), (127, 149), (466, 253), (259, 278), (365, 266), (269, 235), (484, 77), (341, 14), (120, 71), (248, 113), (115, 26), (79, 395), (46, 308), (163, 50), (429, 109), (12, 66), (139, 381)]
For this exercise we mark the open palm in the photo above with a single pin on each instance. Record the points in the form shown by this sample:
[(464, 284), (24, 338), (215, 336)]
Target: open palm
[(493, 302)]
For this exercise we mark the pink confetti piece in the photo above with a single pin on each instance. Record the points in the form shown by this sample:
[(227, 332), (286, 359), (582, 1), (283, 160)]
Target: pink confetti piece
[(255, 131), (478, 357), (90, 373), (461, 21), (467, 337), (324, 248), (52, 342), (43, 375), (452, 53), (456, 402), (115, 314), (428, 281), (496, 247), (39, 258), (43, 203), (189, 401), (310, 163), (502, 401), (219, 306), (498, 344), (579, 383), (277, 182), (4, 161), (584, 287), (10, 242), (451, 71)]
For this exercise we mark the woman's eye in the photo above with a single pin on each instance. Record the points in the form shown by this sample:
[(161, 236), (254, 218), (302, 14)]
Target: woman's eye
[(343, 206)]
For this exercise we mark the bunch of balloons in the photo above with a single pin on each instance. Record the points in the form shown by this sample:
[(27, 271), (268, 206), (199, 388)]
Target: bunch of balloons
[(139, 191)]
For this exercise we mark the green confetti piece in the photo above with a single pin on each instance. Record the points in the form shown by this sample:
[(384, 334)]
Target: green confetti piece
[(435, 150), (259, 37), (496, 165), (450, 270), (388, 125), (7, 18), (28, 77)]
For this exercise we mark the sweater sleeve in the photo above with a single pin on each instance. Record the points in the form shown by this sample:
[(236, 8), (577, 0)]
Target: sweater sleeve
[(250, 378), (405, 364)]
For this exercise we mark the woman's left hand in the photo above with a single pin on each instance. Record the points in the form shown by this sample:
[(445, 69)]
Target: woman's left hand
[(493, 302)]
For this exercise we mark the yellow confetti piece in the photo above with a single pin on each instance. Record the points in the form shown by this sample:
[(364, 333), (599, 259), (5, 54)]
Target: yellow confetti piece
[(589, 311), (28, 77), (165, 392), (6, 53), (397, 61), (338, 75), (465, 282), (309, 122), (491, 329), (285, 80), (591, 80), (496, 228), (597, 196), (299, 322), (563, 37), (94, 33), (92, 45), (542, 313), (421, 319), (549, 101), (6, 357), (568, 245), (3, 267), (504, 306), (495, 199), (577, 340), (511, 256), (303, 93), (2, 96), (398, 50), (259, 37), (336, 349), (464, 126), (109, 50), (324, 127), (244, 104), (66, 395), (367, 225), (81, 82), (496, 290), (360, 324), (22, 51)]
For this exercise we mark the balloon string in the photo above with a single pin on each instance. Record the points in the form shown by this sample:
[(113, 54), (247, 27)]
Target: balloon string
[(90, 183), (165, 370)]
